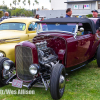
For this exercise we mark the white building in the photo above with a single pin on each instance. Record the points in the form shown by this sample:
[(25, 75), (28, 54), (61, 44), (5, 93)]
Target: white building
[(58, 4), (83, 7), (79, 7)]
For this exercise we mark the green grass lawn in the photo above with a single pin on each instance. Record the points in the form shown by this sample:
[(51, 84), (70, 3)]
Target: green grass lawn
[(83, 84)]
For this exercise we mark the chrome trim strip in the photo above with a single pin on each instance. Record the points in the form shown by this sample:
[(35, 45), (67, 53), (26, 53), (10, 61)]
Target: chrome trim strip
[(9, 40)]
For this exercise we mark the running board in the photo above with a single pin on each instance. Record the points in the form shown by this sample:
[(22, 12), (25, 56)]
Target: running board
[(78, 67)]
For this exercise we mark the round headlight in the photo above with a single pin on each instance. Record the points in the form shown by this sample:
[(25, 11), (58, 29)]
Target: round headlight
[(33, 69), (1, 54), (6, 65)]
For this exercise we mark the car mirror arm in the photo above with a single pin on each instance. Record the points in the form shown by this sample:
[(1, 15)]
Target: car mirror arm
[(76, 31), (75, 35)]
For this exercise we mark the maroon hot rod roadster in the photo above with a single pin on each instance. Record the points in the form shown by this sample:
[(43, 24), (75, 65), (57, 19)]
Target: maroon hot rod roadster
[(62, 45)]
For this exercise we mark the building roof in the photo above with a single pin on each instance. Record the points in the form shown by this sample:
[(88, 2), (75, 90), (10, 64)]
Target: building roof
[(81, 1)]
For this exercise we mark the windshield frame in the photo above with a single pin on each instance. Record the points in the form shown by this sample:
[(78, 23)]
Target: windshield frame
[(40, 25)]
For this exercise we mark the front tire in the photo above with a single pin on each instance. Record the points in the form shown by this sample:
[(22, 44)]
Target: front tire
[(2, 79), (57, 81)]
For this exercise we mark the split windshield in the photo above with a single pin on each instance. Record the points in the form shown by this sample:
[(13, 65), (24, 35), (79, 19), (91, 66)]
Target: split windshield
[(68, 27)]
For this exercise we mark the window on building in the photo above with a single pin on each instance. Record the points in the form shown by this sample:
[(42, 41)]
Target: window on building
[(86, 6), (81, 6), (75, 6), (98, 6)]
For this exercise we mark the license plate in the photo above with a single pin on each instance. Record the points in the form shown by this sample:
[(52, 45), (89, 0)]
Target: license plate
[(17, 83)]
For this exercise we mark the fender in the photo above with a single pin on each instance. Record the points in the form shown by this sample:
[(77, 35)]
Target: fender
[(8, 50), (95, 47)]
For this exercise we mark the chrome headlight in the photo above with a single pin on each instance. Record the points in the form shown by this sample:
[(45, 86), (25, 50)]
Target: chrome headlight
[(2, 54), (33, 69), (8, 64)]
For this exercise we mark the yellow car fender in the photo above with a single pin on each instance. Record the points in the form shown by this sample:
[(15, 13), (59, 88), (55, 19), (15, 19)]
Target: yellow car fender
[(8, 50)]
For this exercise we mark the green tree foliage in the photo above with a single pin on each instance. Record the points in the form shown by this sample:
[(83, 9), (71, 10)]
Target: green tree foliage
[(89, 15), (9, 11), (3, 7), (1, 14), (17, 12), (28, 13), (14, 2), (24, 2), (29, 2), (21, 12)]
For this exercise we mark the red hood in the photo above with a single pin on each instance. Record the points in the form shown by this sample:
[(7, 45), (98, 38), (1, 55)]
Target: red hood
[(58, 34)]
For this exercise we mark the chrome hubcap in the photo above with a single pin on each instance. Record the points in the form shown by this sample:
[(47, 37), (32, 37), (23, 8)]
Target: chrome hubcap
[(61, 82)]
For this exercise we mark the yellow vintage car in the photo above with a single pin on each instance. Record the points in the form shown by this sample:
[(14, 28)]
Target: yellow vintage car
[(13, 31)]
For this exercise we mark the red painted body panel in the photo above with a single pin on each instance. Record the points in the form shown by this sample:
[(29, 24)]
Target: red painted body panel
[(70, 51), (77, 50)]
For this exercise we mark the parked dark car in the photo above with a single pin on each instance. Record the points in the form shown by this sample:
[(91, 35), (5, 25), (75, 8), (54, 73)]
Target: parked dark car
[(62, 45)]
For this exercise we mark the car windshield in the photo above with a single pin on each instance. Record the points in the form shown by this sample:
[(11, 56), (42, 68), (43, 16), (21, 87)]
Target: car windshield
[(13, 26), (68, 27)]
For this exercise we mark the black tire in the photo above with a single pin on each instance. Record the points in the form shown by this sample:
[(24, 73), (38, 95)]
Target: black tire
[(2, 80), (57, 71), (98, 56)]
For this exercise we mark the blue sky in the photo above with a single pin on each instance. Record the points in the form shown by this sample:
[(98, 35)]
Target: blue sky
[(44, 3)]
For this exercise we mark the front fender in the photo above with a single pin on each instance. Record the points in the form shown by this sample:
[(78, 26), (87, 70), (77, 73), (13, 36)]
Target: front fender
[(9, 50)]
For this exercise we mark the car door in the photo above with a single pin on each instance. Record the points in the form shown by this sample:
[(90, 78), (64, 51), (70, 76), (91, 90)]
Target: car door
[(79, 49), (31, 31), (84, 47)]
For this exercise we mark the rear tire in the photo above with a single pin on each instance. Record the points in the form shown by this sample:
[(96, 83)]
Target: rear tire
[(2, 80), (98, 56), (57, 81)]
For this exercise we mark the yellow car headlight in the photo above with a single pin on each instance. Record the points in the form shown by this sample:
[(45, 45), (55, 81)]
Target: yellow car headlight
[(2, 54)]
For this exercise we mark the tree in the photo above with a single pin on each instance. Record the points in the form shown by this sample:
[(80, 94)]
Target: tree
[(14, 2), (24, 2), (28, 13), (10, 4), (17, 12), (3, 2), (89, 15), (29, 2), (36, 2), (42, 7), (1, 14), (3, 7), (19, 0), (9, 11)]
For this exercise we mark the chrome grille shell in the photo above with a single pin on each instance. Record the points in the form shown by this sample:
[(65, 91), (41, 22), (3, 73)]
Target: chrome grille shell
[(24, 59)]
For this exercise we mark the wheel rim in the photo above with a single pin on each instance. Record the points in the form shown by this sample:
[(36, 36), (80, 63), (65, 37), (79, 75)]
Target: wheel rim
[(61, 84)]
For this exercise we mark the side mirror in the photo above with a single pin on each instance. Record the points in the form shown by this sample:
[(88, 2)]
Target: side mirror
[(81, 29)]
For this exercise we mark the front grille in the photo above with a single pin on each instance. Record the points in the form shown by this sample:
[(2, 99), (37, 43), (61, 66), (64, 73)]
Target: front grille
[(23, 60)]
